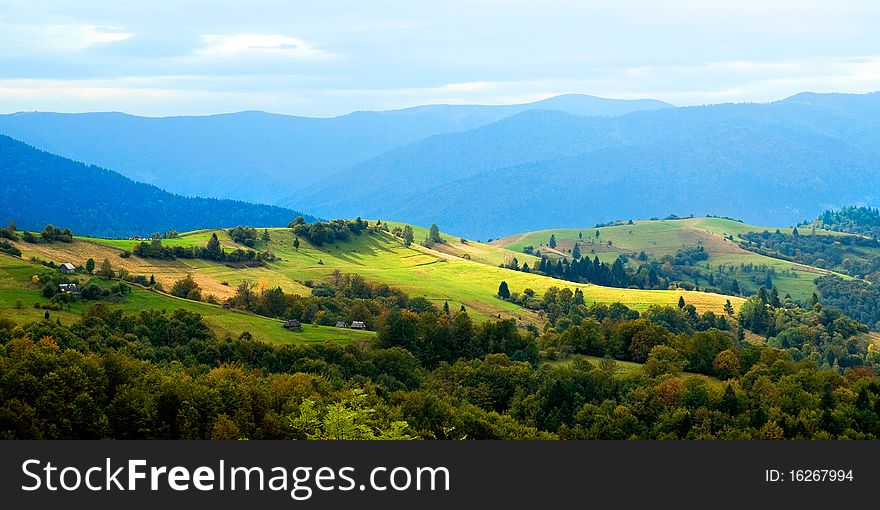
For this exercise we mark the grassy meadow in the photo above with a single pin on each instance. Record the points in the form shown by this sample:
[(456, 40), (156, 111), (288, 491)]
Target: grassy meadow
[(665, 237), (15, 286), (442, 274)]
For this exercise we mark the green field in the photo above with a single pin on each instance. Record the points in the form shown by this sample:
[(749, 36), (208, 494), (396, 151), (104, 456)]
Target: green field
[(665, 237), (15, 285), (441, 274)]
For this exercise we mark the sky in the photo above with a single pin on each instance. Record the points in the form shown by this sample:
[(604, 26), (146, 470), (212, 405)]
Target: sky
[(326, 58)]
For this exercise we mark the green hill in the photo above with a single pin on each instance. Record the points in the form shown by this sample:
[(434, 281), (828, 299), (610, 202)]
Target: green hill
[(17, 289), (441, 275), (660, 238)]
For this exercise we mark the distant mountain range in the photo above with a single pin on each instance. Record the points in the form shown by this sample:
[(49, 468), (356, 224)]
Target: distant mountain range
[(39, 188), (488, 171), (775, 163), (257, 156)]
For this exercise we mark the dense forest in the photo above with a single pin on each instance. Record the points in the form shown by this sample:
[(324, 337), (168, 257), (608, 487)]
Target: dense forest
[(857, 298), (855, 220), (849, 254), (437, 374), (639, 272), (40, 187)]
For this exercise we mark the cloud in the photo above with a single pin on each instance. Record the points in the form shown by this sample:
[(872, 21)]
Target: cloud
[(78, 37), (258, 44)]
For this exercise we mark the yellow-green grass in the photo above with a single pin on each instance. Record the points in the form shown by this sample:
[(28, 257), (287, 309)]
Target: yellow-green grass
[(473, 250), (439, 277), (15, 285), (186, 239), (379, 257), (665, 237)]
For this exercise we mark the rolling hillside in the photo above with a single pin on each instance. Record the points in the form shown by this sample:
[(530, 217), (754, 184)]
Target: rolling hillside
[(440, 276), (15, 286), (665, 237), (41, 188), (257, 156)]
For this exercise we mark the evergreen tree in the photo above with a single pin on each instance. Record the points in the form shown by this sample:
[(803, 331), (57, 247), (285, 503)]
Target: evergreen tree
[(728, 308), (734, 287), (681, 302), (407, 235), (265, 238), (576, 251), (434, 234), (213, 250), (296, 243), (762, 294), (503, 291), (446, 307), (90, 265), (552, 242), (774, 298)]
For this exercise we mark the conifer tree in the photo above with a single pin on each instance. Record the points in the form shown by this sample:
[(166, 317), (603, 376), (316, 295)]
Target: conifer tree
[(503, 291)]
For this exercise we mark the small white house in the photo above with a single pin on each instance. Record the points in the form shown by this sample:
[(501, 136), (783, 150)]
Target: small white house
[(68, 288), (67, 268), (358, 325)]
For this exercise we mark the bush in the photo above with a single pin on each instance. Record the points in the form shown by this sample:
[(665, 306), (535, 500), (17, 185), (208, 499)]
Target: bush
[(187, 287)]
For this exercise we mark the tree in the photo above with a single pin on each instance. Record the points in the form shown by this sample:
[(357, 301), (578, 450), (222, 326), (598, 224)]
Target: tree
[(407, 235), (434, 234), (754, 315), (213, 250), (728, 308), (552, 242), (296, 243), (12, 227), (503, 291), (726, 365), (681, 302), (446, 307), (597, 234), (265, 237), (663, 360), (90, 265), (774, 298), (576, 252), (762, 295), (106, 271), (186, 288)]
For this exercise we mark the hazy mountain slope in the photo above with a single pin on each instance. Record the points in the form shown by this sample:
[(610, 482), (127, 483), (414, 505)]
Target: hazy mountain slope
[(259, 156), (769, 163), (40, 188)]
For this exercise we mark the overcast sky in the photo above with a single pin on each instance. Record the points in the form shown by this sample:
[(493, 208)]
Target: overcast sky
[(324, 58)]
